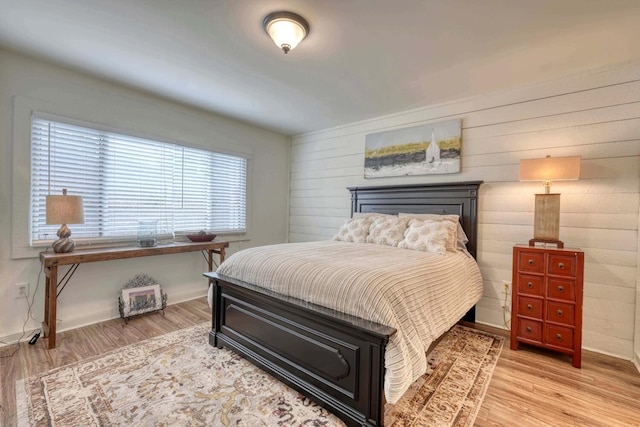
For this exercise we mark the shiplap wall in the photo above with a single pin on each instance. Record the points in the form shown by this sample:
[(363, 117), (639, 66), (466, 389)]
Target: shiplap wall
[(595, 115)]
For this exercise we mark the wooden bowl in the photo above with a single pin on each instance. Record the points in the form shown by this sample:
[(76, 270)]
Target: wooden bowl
[(201, 237)]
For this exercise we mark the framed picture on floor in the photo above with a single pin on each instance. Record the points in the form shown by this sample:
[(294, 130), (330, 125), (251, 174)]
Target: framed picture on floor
[(141, 300), (142, 294)]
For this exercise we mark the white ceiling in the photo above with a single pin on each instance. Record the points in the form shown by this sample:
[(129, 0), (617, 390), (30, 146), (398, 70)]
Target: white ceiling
[(362, 58)]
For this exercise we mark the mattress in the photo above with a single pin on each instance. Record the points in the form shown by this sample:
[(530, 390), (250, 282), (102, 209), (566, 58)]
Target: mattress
[(421, 294)]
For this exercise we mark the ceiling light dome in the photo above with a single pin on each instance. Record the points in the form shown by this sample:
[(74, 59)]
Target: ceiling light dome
[(287, 29)]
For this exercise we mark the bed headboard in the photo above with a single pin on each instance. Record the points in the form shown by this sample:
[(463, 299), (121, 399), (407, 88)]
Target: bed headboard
[(459, 198)]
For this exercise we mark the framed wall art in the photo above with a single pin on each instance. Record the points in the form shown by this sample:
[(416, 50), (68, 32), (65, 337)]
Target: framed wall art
[(432, 148)]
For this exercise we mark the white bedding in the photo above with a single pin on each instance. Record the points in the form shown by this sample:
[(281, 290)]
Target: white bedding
[(419, 293)]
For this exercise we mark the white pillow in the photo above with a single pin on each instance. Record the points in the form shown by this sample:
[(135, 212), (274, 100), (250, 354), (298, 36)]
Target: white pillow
[(372, 215), (429, 236), (354, 230), (461, 237), (387, 230)]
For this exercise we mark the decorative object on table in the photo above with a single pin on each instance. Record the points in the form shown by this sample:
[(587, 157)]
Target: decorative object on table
[(64, 210), (138, 385), (286, 29), (546, 223), (147, 233), (433, 148), (140, 295), (201, 236)]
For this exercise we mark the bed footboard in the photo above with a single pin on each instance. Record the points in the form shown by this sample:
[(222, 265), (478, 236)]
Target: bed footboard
[(335, 359)]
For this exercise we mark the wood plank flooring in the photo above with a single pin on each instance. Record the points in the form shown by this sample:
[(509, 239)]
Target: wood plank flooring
[(530, 387)]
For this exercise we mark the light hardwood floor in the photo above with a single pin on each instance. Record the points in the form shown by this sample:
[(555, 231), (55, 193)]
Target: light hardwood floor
[(529, 387)]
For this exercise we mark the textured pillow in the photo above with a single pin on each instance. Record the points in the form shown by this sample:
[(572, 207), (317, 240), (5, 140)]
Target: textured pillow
[(461, 238), (429, 236), (387, 230), (372, 215), (354, 230)]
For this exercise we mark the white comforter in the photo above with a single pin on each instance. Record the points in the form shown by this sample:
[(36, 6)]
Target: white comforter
[(419, 293)]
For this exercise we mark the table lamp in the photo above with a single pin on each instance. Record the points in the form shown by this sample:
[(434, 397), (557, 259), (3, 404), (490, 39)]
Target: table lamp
[(64, 210), (546, 223)]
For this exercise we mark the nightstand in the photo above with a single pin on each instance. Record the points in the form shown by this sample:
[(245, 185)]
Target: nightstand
[(546, 309)]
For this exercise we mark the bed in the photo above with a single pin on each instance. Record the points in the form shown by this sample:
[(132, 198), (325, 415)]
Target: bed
[(334, 358)]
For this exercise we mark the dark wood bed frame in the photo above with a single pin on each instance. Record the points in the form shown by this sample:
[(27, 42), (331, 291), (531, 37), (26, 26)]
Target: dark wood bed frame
[(333, 358)]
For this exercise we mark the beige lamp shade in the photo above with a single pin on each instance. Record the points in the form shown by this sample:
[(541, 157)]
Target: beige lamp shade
[(550, 169), (65, 209)]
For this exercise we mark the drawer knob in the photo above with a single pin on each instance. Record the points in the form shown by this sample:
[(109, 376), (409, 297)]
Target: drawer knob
[(559, 337), (529, 285), (529, 306), (560, 288), (559, 313), (530, 262), (561, 265), (528, 328)]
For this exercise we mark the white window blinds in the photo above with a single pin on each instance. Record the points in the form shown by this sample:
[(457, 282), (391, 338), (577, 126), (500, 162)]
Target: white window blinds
[(125, 179)]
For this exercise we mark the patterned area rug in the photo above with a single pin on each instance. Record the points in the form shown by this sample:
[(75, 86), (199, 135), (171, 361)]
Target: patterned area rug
[(180, 380)]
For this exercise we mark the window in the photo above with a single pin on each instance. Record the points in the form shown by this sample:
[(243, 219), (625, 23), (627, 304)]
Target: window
[(125, 179)]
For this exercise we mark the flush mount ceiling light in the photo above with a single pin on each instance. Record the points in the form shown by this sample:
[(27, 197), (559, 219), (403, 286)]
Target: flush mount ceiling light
[(287, 29)]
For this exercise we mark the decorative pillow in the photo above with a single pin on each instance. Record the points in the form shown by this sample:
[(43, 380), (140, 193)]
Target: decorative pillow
[(429, 236), (372, 215), (354, 230), (461, 238), (387, 230)]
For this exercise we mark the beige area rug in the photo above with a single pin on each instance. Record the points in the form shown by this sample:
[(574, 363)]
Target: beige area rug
[(180, 380)]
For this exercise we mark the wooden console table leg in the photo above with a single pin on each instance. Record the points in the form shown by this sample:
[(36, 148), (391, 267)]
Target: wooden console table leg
[(210, 253), (210, 263), (50, 305)]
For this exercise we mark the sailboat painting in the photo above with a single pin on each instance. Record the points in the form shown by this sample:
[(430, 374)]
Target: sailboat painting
[(432, 148)]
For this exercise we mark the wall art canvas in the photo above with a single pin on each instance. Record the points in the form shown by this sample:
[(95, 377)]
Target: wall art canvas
[(433, 148)]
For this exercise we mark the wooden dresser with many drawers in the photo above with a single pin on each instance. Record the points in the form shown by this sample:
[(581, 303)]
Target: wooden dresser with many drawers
[(546, 308)]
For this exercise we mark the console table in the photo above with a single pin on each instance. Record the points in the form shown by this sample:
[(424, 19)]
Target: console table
[(50, 262)]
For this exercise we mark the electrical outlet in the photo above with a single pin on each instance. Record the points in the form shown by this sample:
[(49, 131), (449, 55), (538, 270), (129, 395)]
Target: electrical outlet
[(22, 290)]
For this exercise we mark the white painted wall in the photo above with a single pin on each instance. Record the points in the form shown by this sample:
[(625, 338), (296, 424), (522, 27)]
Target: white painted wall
[(594, 115), (636, 341), (91, 295)]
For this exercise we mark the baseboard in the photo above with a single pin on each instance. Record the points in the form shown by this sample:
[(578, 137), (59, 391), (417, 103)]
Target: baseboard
[(74, 323), (635, 360), (13, 338), (617, 356), (94, 317), (501, 327)]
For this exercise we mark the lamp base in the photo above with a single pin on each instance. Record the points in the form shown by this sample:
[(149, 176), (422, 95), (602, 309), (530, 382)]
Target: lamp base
[(559, 243), (64, 244), (546, 222)]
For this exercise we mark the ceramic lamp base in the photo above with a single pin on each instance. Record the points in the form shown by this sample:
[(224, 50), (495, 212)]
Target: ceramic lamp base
[(64, 244)]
